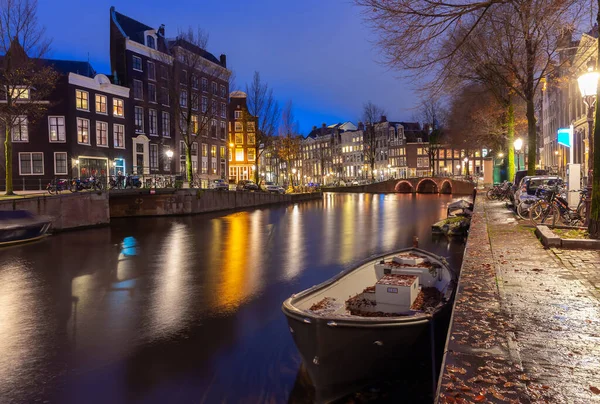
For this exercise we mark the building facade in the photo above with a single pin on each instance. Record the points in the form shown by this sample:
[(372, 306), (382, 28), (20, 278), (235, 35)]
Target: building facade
[(243, 147), (141, 59)]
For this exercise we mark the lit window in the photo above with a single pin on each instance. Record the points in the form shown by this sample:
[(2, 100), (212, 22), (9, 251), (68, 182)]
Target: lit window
[(251, 138), (83, 131), (19, 93), (250, 126), (56, 127), (118, 108), (100, 104), (60, 163), (239, 127), (204, 150), (101, 134), (251, 154), (239, 138), (222, 152), (31, 163), (119, 132), (20, 132), (213, 151), (137, 63), (194, 124), (81, 100), (239, 154)]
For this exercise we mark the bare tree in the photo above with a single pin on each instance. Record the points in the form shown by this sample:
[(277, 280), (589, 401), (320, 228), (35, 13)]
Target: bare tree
[(433, 115), (594, 209), (263, 106), (523, 41), (25, 77), (288, 144), (371, 116), (195, 108)]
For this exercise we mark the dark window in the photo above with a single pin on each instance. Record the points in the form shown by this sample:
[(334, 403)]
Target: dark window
[(151, 70), (154, 156), (194, 82), (137, 63), (151, 92), (138, 90), (139, 119), (150, 42)]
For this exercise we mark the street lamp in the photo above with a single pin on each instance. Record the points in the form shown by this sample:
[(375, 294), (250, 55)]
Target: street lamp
[(588, 86), (518, 144), (466, 161), (293, 175), (169, 154), (500, 155)]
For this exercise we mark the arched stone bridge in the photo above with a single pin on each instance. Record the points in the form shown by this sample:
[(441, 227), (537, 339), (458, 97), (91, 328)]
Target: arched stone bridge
[(423, 185)]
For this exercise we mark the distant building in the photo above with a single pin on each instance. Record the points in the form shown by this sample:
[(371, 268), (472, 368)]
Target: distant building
[(243, 148)]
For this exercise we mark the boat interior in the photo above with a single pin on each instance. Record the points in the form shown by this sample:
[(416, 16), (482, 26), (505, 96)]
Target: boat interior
[(330, 298)]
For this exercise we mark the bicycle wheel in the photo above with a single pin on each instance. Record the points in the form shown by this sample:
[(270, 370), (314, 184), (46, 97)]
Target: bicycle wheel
[(582, 211), (491, 194), (537, 211), (523, 210)]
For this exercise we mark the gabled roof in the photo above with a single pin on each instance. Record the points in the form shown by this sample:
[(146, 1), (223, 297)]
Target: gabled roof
[(130, 27), (194, 49), (71, 66)]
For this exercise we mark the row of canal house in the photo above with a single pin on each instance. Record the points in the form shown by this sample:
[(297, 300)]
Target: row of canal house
[(126, 121)]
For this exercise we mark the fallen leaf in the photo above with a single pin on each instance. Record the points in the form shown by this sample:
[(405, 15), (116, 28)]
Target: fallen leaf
[(455, 369), (595, 390), (479, 398)]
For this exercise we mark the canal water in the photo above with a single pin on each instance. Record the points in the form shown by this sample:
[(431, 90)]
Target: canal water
[(188, 309)]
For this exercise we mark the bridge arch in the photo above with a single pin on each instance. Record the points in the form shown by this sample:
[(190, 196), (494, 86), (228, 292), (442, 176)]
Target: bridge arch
[(446, 187), (427, 186), (404, 187)]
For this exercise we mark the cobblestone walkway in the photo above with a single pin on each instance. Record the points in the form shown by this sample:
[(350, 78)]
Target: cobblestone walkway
[(526, 325)]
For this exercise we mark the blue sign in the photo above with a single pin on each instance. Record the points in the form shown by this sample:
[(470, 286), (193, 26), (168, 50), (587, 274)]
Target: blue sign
[(564, 137)]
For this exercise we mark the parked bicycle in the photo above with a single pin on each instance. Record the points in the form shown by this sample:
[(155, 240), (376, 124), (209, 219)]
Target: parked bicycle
[(90, 183), (500, 192), (553, 209), (57, 185)]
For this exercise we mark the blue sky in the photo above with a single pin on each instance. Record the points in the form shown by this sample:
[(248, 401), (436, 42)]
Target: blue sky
[(316, 52)]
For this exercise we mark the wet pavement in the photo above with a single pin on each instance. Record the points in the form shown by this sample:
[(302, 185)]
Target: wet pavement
[(526, 325)]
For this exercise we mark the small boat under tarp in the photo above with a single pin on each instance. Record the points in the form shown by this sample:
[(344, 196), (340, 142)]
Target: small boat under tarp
[(21, 226), (351, 327)]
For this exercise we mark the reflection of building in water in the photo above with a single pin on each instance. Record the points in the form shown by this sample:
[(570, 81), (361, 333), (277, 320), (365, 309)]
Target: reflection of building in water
[(172, 294), (231, 287), (294, 259)]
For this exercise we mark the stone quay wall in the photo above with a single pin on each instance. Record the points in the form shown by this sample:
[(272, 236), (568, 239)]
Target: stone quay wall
[(67, 211), (192, 201)]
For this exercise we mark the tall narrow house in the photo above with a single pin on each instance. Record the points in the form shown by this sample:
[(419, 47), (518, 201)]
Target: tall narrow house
[(171, 108)]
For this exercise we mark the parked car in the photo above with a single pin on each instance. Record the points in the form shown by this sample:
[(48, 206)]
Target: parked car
[(220, 185), (517, 180), (355, 182), (246, 185), (272, 187), (530, 184)]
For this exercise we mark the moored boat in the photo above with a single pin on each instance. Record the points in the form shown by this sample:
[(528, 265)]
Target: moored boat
[(367, 319), (20, 226)]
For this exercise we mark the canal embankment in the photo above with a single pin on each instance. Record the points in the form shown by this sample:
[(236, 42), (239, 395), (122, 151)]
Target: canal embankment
[(525, 324), (134, 203), (68, 211)]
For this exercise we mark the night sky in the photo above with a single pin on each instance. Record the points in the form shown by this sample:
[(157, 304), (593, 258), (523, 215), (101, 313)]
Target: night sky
[(317, 53)]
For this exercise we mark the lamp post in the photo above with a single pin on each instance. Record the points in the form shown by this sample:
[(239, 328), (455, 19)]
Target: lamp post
[(588, 86), (466, 161), (518, 145), (169, 154), (293, 175)]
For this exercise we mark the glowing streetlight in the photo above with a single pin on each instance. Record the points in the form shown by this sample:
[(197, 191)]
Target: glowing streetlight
[(500, 155), (293, 171), (230, 144), (169, 153), (518, 145)]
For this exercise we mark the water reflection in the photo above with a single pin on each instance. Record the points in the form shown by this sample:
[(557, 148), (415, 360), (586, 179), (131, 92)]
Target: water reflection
[(173, 309)]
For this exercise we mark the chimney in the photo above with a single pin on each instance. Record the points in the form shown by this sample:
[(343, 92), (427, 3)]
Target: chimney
[(223, 60), (314, 128), (361, 126), (161, 30), (323, 125), (383, 118)]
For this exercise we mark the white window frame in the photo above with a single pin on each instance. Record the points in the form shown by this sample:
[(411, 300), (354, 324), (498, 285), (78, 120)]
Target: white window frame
[(19, 124), (141, 130), (204, 84), (141, 87), (31, 163), (150, 133), (115, 102), (223, 91), (77, 98), (204, 104), (223, 110), (58, 133), (237, 114), (77, 131), (167, 132), (105, 104), (98, 123), (115, 135), (66, 164), (141, 69), (155, 93), (149, 63), (183, 99), (157, 167)]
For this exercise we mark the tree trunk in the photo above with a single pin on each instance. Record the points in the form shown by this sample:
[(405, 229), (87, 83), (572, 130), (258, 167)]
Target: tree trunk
[(256, 173), (189, 172), (531, 137), (594, 214), (510, 140), (9, 162)]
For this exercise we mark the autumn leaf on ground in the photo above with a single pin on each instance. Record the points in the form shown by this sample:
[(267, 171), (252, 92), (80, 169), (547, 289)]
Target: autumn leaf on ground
[(595, 390), (455, 369)]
